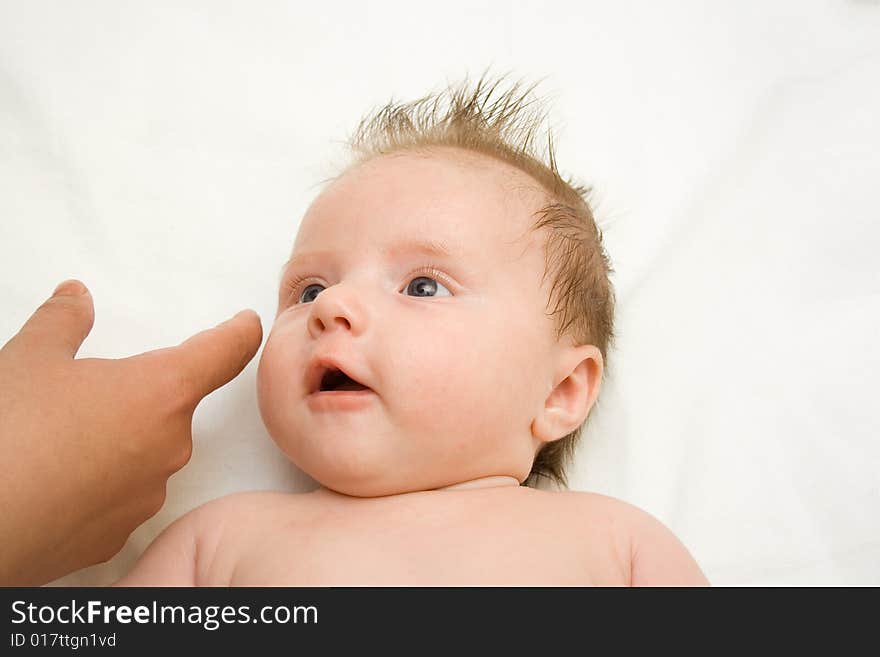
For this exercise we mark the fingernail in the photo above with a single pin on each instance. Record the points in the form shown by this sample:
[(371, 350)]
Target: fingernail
[(69, 288)]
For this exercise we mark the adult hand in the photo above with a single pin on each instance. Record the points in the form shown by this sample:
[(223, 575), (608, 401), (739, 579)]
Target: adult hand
[(88, 444)]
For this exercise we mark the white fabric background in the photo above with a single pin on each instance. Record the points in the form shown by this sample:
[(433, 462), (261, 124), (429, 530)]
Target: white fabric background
[(163, 153)]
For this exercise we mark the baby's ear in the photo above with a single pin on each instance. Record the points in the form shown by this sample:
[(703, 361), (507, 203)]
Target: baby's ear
[(577, 379)]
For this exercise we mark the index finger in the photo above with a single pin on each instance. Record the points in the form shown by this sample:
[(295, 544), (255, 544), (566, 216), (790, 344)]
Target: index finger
[(212, 358)]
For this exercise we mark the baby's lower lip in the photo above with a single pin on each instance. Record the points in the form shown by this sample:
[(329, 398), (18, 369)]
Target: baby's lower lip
[(340, 399)]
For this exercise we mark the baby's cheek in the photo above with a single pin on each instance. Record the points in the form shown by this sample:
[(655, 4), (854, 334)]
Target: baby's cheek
[(275, 382), (266, 372)]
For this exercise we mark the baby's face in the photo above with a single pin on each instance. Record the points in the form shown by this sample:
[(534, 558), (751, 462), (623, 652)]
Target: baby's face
[(456, 348)]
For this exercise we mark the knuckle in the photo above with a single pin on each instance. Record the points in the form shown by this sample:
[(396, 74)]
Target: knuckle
[(176, 388), (155, 373), (111, 547), (156, 502), (182, 457)]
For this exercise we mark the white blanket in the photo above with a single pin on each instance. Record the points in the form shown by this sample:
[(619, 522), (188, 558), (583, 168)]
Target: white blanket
[(164, 155)]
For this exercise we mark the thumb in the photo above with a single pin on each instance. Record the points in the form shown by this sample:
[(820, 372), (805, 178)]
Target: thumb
[(212, 358), (61, 323)]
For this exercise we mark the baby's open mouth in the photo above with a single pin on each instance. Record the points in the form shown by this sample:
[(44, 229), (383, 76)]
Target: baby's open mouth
[(338, 380), (326, 374)]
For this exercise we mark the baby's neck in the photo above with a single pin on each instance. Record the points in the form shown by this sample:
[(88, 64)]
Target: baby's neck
[(495, 481), (483, 482)]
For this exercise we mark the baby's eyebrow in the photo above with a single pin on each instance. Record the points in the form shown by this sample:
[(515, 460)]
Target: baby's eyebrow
[(428, 247)]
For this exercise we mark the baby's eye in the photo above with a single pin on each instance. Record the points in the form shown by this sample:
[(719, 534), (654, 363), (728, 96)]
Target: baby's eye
[(302, 297), (420, 286), (424, 286)]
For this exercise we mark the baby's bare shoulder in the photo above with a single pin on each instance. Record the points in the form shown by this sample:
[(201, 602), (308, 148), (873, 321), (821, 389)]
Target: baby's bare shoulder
[(237, 511), (585, 515), (251, 500), (598, 508), (656, 556), (225, 526), (624, 517), (187, 552)]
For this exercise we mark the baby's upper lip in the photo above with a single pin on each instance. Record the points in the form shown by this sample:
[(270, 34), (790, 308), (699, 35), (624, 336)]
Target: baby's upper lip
[(320, 364)]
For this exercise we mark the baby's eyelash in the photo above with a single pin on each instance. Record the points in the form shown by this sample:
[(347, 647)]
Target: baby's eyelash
[(292, 285), (433, 272)]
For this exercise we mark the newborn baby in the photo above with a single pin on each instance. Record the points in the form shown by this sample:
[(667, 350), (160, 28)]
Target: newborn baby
[(414, 372)]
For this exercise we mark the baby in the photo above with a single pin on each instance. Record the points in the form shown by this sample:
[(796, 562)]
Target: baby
[(414, 372)]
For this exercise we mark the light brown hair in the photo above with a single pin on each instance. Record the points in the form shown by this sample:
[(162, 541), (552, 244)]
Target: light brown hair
[(504, 126)]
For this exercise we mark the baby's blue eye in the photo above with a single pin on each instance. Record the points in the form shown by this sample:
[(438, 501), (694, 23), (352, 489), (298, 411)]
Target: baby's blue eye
[(424, 286), (421, 286), (302, 298)]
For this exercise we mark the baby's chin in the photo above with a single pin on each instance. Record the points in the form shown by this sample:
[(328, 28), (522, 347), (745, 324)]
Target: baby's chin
[(349, 466), (383, 483)]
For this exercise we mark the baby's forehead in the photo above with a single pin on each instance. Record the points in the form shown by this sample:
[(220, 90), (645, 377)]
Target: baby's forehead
[(450, 166), (440, 190)]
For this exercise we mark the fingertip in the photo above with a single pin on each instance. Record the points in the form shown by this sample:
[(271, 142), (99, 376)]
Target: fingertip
[(63, 321), (216, 356), (248, 311), (242, 313), (259, 323), (253, 315), (70, 288), (247, 323)]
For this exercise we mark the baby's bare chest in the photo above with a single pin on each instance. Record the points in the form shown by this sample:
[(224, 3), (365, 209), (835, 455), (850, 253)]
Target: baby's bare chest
[(477, 544)]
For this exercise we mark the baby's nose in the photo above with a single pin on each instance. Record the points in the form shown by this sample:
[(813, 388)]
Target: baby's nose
[(324, 323), (335, 309)]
